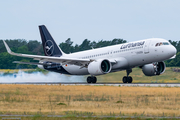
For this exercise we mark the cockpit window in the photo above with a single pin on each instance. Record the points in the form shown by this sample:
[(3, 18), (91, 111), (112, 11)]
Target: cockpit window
[(157, 44), (161, 43), (165, 43)]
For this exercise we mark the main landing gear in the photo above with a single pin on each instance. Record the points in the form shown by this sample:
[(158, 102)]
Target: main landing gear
[(127, 79), (91, 79)]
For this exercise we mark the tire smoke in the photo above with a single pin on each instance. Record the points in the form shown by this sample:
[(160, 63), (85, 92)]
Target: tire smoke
[(39, 77)]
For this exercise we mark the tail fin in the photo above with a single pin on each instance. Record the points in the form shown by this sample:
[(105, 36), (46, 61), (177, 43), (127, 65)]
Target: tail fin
[(49, 45)]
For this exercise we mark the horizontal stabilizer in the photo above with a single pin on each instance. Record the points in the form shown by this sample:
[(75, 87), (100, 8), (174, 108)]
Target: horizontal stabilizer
[(32, 63)]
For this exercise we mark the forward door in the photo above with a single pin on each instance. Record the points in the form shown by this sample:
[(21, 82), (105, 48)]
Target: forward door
[(146, 47)]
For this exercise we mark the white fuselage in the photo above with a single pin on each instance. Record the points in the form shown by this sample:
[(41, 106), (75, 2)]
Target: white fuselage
[(127, 55), (147, 54)]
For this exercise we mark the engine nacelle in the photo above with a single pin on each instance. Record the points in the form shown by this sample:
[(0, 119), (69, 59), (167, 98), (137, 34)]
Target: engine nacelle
[(154, 69), (41, 66), (99, 67)]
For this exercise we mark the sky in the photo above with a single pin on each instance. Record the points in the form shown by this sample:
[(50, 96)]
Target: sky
[(95, 20)]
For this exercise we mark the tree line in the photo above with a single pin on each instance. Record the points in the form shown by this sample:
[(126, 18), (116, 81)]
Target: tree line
[(35, 47)]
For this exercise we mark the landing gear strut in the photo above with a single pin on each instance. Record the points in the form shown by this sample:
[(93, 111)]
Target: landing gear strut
[(127, 79), (91, 79)]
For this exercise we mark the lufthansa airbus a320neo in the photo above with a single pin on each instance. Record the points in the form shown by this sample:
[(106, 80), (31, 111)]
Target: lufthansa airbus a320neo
[(148, 54)]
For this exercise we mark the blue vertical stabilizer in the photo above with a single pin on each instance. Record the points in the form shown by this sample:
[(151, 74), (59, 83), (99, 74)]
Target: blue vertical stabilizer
[(49, 45)]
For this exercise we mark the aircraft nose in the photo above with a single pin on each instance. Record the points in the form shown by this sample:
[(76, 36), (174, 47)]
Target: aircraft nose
[(173, 50)]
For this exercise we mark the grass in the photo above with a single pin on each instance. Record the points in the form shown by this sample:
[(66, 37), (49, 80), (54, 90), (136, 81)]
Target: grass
[(61, 104), (37, 117), (89, 100), (13, 70)]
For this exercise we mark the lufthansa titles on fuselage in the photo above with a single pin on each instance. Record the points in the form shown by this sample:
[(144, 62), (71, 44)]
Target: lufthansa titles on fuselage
[(129, 45)]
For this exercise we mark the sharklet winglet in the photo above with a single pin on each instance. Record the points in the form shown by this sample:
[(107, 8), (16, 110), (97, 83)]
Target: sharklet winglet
[(7, 48)]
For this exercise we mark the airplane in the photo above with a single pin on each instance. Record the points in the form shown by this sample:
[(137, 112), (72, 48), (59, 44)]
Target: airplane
[(147, 54)]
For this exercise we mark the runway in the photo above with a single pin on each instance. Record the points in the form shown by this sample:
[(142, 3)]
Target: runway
[(102, 84)]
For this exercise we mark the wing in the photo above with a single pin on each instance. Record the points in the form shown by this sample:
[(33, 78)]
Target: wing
[(62, 60)]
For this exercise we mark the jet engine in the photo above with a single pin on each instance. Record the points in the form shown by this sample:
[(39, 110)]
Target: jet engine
[(99, 67), (156, 68)]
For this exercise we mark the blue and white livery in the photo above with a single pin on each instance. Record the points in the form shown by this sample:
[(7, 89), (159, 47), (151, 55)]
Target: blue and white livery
[(147, 54)]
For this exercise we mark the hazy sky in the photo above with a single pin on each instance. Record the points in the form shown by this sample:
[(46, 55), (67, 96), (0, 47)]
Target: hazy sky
[(92, 19)]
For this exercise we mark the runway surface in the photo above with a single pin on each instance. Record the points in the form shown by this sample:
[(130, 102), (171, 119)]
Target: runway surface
[(103, 84)]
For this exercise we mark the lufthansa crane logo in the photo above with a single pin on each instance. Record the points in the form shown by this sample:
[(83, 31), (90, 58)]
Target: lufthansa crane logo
[(49, 47)]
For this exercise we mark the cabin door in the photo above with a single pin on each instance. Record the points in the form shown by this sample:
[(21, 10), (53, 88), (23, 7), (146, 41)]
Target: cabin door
[(146, 46)]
